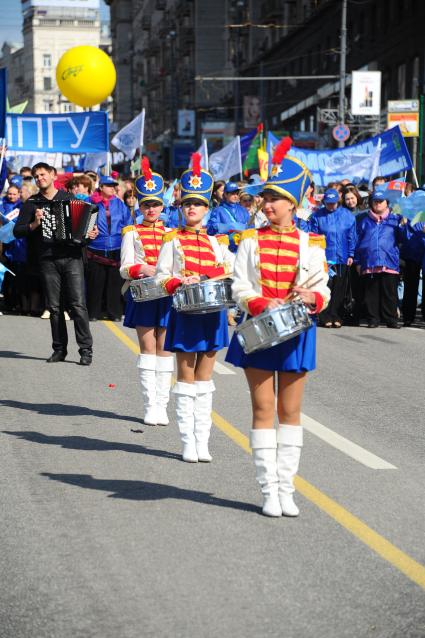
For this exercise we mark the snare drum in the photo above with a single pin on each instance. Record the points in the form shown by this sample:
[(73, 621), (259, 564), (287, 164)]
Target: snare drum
[(146, 289), (273, 327), (207, 296)]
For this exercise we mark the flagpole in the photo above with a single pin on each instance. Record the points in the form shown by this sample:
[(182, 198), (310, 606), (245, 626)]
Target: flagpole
[(206, 154), (3, 151), (142, 136), (240, 157)]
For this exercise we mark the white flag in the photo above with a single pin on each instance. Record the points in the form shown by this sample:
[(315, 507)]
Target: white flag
[(226, 162), (358, 167), (93, 161), (130, 138)]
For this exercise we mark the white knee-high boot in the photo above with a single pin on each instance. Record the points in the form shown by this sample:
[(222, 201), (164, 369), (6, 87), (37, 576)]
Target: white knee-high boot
[(264, 444), (203, 421), (185, 402), (147, 372), (164, 372), (289, 444)]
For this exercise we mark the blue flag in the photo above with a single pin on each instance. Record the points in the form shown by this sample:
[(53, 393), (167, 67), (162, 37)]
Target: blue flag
[(6, 233), (3, 271), (3, 95)]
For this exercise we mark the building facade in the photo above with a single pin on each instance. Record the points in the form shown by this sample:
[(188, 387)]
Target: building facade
[(48, 31)]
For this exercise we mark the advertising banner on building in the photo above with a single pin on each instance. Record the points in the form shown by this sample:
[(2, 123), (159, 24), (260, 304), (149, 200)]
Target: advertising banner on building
[(354, 162), (366, 93), (55, 133)]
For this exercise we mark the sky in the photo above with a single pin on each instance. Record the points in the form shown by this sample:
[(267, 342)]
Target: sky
[(10, 25)]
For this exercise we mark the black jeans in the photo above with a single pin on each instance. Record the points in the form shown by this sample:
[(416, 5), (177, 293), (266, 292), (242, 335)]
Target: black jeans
[(412, 272), (63, 283), (103, 282), (338, 287), (381, 297)]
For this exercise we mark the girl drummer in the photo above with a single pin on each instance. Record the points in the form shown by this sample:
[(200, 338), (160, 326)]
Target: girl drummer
[(272, 262), (139, 253), (188, 255)]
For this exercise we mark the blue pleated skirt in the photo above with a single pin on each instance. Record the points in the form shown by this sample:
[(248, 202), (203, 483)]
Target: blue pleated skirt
[(294, 355), (196, 333), (149, 314)]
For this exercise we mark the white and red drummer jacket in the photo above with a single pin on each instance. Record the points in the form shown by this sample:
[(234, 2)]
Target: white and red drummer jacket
[(270, 262), (187, 252), (140, 245)]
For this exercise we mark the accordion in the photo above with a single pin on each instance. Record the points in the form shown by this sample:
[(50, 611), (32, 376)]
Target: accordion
[(67, 221)]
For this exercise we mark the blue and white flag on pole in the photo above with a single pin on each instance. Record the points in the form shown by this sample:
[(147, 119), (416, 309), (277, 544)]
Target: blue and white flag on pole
[(6, 233), (226, 162), (130, 138)]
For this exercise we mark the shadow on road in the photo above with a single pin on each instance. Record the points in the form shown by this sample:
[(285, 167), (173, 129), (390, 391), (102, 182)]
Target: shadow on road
[(88, 444), (145, 491), (10, 354), (59, 409)]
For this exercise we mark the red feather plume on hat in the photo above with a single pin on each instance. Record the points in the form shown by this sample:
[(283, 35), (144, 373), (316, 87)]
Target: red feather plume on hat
[(196, 164), (281, 150), (146, 168)]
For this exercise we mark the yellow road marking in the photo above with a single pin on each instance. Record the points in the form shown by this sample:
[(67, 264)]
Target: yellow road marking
[(389, 552)]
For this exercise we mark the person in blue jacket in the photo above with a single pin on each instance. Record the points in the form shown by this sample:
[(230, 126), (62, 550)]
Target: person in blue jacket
[(412, 251), (379, 233), (103, 253), (338, 225), (230, 218)]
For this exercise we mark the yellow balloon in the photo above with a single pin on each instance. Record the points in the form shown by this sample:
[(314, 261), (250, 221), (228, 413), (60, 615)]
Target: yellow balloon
[(85, 75)]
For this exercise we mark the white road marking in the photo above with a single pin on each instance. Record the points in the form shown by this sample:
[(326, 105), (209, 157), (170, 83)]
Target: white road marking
[(419, 329), (221, 369), (345, 445)]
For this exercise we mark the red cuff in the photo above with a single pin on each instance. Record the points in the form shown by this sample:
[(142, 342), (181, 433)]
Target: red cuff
[(135, 271), (320, 302), (172, 284), (214, 271), (257, 306)]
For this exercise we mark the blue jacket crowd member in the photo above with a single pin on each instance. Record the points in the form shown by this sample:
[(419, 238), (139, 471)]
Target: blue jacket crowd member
[(229, 216), (139, 254), (15, 287), (103, 276), (379, 233), (61, 266), (338, 225), (188, 255), (271, 263), (412, 251)]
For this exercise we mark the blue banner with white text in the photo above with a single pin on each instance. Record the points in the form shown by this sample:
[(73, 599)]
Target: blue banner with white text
[(85, 132), (353, 162)]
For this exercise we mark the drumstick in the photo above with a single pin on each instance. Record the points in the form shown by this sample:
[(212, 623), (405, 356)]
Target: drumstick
[(306, 284), (219, 277)]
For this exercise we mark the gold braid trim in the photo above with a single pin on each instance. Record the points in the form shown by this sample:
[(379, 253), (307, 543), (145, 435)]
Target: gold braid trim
[(126, 229), (317, 240), (170, 235)]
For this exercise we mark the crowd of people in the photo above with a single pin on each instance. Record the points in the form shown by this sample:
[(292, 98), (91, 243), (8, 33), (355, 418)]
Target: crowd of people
[(370, 250), (338, 253)]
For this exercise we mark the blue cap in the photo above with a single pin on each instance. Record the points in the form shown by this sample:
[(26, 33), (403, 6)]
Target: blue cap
[(149, 186), (378, 195), (16, 180), (289, 177), (331, 196), (196, 182), (231, 187), (255, 179), (107, 180)]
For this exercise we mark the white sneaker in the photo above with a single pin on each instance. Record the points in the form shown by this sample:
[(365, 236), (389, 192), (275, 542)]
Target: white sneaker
[(66, 315), (45, 315)]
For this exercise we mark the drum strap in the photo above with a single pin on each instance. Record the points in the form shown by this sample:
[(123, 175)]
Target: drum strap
[(216, 248), (304, 256)]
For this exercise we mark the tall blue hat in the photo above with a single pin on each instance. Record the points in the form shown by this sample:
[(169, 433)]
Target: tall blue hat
[(149, 185), (288, 176), (196, 182)]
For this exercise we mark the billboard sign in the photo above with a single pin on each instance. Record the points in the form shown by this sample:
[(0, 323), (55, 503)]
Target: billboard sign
[(366, 93)]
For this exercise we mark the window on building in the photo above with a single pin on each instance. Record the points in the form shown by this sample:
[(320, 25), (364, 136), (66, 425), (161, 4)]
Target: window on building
[(67, 107), (47, 60), (47, 84), (415, 78), (401, 82), (48, 106)]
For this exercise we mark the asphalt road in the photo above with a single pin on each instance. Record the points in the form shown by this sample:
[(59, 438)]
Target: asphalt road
[(105, 533)]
